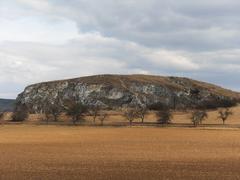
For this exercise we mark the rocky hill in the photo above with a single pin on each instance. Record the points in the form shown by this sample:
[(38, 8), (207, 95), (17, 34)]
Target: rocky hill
[(6, 104), (117, 91)]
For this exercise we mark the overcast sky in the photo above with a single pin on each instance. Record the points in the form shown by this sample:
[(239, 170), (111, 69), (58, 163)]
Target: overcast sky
[(43, 40)]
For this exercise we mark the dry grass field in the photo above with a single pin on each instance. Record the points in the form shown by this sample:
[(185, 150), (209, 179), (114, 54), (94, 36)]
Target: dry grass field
[(68, 152)]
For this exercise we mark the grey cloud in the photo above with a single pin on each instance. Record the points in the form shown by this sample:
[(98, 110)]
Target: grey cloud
[(91, 53), (197, 39), (94, 54), (188, 25)]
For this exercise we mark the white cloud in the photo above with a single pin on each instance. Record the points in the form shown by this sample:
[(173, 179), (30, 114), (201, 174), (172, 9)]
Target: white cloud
[(172, 60), (34, 29), (47, 39), (41, 5), (88, 54)]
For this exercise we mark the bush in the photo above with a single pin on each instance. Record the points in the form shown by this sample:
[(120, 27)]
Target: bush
[(164, 117), (158, 106), (227, 103), (20, 114), (76, 110), (217, 103)]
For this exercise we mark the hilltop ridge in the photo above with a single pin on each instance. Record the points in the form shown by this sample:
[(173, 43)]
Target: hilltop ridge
[(117, 91)]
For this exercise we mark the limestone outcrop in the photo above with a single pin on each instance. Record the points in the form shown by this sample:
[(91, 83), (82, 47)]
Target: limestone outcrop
[(118, 91)]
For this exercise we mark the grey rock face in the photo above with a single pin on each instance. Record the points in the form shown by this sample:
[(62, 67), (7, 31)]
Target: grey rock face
[(115, 91)]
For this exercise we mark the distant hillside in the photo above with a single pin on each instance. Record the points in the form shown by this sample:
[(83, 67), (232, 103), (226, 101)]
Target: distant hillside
[(7, 104), (117, 91)]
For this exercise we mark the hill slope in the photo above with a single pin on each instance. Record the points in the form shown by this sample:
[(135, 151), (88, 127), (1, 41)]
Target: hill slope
[(117, 91), (7, 104)]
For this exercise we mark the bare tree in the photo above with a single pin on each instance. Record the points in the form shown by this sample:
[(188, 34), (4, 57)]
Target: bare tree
[(198, 116), (102, 117), (164, 116), (55, 110), (51, 111), (94, 112), (47, 115), (141, 113), (130, 114), (76, 110), (224, 114)]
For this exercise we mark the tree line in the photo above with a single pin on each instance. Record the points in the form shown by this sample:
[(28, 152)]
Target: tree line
[(76, 110)]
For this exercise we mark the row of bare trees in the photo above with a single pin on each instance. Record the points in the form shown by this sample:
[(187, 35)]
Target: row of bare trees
[(77, 110), (199, 116), (164, 115)]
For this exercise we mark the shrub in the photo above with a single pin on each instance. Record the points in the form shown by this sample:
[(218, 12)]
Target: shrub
[(158, 106), (76, 110), (164, 116), (20, 113), (216, 103)]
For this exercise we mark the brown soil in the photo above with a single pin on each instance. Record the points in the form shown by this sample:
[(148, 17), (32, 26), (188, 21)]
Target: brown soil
[(61, 152)]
